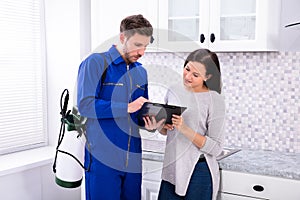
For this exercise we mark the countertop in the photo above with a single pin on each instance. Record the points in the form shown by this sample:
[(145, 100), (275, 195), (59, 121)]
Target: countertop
[(270, 163)]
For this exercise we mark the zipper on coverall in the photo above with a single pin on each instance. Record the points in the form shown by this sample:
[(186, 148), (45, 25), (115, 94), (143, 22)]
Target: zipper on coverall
[(130, 130)]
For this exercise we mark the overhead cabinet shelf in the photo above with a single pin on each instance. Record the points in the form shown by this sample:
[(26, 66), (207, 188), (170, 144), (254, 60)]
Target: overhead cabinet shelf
[(239, 15), (183, 17)]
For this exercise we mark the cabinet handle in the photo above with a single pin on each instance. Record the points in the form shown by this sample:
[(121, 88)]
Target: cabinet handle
[(212, 37), (258, 188), (202, 38)]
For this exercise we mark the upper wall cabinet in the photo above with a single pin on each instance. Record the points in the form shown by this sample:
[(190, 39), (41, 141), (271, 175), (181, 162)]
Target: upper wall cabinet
[(290, 34), (106, 17), (219, 25)]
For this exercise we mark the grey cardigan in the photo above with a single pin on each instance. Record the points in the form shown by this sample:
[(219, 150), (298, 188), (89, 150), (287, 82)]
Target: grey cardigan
[(205, 114)]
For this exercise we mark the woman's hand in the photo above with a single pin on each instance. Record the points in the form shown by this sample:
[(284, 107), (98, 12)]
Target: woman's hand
[(178, 122), (198, 139), (163, 130), (168, 127)]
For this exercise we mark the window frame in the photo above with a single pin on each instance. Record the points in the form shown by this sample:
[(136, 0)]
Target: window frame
[(40, 94)]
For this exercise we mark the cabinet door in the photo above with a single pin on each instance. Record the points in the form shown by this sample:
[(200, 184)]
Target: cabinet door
[(180, 24), (259, 186), (151, 179), (225, 196), (248, 25), (106, 17), (232, 23), (150, 190)]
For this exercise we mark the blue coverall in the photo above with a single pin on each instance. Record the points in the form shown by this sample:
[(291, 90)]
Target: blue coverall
[(113, 133)]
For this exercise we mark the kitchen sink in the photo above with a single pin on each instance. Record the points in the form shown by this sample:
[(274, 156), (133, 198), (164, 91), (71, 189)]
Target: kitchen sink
[(227, 152)]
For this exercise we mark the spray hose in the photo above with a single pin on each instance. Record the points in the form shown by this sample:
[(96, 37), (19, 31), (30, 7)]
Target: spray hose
[(74, 122)]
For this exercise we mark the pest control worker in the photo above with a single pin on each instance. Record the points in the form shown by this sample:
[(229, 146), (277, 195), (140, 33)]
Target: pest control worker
[(112, 86)]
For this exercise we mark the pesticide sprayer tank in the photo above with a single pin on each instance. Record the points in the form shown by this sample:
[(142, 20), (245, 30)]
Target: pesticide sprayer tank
[(69, 172)]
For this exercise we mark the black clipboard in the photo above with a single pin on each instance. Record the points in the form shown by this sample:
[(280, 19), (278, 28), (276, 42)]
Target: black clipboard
[(160, 111)]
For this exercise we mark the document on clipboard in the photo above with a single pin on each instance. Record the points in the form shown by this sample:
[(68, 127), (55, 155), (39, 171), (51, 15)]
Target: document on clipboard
[(159, 111)]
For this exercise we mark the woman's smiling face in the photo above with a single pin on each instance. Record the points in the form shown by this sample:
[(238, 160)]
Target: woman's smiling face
[(194, 73)]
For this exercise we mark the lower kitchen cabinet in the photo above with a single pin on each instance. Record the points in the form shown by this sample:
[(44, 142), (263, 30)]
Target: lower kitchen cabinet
[(225, 196), (233, 186), (244, 186), (150, 190), (151, 179)]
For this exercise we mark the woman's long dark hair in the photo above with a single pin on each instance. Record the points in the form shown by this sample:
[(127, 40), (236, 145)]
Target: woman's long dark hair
[(211, 62)]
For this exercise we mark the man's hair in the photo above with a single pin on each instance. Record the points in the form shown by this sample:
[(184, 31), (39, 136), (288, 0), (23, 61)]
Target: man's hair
[(136, 24)]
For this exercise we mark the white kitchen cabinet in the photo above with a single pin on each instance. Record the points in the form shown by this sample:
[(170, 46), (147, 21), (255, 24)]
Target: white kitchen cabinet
[(151, 179), (220, 25), (243, 186), (225, 196), (233, 185), (289, 35), (150, 190), (106, 17)]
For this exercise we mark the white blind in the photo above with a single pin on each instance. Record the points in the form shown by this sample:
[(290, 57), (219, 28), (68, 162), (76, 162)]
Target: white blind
[(22, 76)]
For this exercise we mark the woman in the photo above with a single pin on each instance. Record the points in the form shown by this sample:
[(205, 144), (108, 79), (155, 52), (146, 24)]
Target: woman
[(195, 138)]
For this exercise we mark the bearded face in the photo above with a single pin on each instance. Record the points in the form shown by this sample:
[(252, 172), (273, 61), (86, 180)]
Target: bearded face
[(134, 47)]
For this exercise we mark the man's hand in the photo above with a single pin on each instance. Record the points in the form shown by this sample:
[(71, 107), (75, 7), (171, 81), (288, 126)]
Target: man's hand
[(136, 105)]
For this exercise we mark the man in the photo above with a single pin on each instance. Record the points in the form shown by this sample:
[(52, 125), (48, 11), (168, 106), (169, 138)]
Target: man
[(111, 101)]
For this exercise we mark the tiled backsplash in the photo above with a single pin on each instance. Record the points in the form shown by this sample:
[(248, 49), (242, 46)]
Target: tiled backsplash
[(262, 92)]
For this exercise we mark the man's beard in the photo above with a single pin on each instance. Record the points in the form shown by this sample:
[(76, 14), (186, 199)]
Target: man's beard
[(128, 57), (126, 54)]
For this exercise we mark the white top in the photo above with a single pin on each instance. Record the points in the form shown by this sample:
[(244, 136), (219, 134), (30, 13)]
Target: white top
[(205, 114)]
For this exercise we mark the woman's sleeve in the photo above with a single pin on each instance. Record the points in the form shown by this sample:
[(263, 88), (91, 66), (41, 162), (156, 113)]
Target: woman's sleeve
[(215, 131)]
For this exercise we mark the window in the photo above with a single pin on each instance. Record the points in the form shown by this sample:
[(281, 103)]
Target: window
[(22, 76)]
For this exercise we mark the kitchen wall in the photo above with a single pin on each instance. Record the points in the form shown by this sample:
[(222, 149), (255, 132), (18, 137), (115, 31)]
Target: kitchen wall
[(261, 90)]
